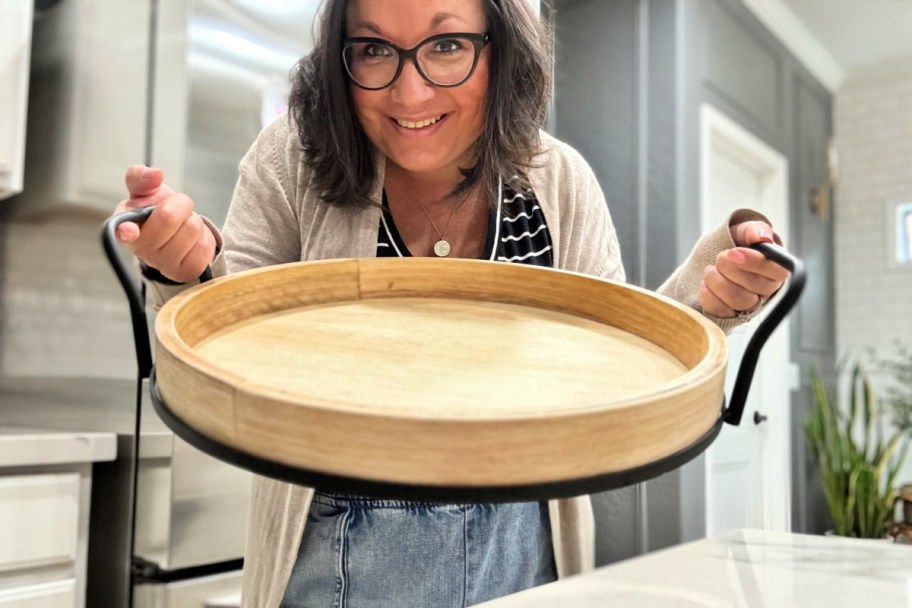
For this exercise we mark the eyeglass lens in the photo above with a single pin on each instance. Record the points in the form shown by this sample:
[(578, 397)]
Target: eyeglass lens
[(444, 61)]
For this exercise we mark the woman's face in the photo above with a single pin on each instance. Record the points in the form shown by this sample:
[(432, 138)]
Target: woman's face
[(391, 116)]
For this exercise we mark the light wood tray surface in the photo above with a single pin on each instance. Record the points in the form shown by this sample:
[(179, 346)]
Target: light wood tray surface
[(439, 372)]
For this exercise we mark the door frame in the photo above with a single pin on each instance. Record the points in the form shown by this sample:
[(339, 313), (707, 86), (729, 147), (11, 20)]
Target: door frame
[(719, 130)]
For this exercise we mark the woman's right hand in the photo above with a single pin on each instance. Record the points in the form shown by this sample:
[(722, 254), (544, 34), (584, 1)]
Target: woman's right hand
[(174, 240)]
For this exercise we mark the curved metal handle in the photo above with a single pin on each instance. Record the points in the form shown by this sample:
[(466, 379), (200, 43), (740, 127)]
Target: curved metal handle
[(131, 289), (748, 365)]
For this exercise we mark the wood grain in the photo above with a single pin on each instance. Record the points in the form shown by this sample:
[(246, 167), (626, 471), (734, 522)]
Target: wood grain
[(449, 372)]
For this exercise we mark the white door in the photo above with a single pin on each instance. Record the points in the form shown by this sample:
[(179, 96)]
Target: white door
[(748, 475)]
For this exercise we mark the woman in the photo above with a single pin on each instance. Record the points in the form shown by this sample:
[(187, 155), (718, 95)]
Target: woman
[(415, 131)]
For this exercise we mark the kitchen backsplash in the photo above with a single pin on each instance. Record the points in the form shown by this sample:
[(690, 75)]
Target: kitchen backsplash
[(62, 312)]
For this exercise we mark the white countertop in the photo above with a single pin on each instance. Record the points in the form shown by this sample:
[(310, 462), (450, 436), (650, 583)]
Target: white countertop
[(24, 446), (84, 405), (743, 568)]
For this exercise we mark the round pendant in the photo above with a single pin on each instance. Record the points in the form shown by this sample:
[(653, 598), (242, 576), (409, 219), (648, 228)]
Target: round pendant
[(442, 248)]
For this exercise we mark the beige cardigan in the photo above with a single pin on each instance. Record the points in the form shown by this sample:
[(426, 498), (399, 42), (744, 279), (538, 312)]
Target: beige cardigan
[(275, 217)]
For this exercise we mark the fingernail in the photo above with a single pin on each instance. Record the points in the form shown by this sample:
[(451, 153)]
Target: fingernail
[(736, 256), (766, 234), (147, 172), (123, 235)]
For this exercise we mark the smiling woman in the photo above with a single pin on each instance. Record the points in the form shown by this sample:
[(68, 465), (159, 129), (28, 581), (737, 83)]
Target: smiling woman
[(414, 130), (512, 96)]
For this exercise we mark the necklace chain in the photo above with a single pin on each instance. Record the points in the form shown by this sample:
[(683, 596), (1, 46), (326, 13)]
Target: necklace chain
[(442, 247)]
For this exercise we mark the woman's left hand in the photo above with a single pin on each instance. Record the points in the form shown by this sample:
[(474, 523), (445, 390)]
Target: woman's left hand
[(742, 279)]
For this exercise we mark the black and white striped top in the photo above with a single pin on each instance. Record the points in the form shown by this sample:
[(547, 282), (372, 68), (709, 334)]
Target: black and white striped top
[(517, 232)]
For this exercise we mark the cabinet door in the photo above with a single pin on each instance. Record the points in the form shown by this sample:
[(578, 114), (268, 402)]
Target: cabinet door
[(56, 594), (15, 50), (39, 520), (87, 103)]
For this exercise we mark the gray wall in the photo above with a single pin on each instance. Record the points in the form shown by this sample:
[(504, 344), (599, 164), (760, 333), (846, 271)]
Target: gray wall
[(630, 78)]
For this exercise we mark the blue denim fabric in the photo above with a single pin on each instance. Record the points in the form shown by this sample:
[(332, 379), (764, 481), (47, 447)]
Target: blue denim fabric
[(360, 552)]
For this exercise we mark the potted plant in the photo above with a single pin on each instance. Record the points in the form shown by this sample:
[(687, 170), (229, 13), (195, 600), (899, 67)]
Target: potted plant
[(859, 458), (898, 396), (898, 399)]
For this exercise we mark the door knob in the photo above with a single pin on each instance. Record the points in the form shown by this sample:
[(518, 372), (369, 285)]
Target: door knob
[(758, 417)]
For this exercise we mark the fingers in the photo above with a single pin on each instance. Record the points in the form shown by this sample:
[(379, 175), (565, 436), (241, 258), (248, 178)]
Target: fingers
[(722, 298), (712, 304), (146, 187), (741, 280), (198, 257), (748, 233), (174, 239), (127, 232), (164, 223), (751, 270), (143, 182), (190, 250)]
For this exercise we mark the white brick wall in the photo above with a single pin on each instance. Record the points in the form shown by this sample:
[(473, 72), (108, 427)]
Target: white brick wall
[(62, 312), (874, 138)]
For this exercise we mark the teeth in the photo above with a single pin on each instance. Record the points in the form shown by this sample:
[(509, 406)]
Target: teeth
[(418, 125)]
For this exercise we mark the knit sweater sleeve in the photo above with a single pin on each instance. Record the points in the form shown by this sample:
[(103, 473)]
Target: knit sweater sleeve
[(261, 228), (684, 284)]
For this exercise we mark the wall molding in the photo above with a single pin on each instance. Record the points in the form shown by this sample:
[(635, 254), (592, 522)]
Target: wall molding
[(797, 38)]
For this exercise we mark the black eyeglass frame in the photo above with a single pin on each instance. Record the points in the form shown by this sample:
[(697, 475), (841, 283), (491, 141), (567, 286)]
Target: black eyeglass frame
[(479, 41)]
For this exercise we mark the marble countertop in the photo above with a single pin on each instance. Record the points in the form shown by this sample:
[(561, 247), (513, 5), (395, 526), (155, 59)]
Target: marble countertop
[(743, 568), (24, 446)]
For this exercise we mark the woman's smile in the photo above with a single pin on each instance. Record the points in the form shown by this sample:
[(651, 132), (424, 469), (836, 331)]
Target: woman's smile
[(418, 124)]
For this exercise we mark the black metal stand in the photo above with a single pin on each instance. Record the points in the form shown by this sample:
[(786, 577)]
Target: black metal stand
[(140, 571)]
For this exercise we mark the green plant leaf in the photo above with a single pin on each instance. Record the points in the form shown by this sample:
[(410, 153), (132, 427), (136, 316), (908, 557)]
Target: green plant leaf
[(858, 477)]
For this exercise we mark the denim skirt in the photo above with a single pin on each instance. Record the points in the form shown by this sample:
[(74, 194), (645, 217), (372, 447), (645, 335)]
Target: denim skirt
[(360, 552)]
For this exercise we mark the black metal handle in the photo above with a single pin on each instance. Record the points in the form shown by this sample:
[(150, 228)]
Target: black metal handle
[(131, 288), (751, 354), (133, 291)]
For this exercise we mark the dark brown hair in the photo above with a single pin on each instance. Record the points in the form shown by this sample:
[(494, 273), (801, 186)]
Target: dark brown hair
[(519, 89)]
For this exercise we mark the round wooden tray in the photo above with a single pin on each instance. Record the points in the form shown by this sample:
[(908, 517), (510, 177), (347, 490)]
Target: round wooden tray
[(437, 373)]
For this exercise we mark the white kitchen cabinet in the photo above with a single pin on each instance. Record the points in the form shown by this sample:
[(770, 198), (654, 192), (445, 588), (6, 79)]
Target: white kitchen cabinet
[(39, 519), (15, 50), (217, 591), (56, 594), (87, 115), (45, 495)]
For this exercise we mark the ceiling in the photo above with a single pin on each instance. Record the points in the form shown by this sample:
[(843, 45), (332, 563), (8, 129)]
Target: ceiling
[(840, 37)]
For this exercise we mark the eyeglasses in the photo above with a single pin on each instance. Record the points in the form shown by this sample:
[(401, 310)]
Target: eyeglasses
[(444, 60)]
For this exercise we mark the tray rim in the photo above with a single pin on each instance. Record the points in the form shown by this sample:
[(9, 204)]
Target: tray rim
[(449, 494)]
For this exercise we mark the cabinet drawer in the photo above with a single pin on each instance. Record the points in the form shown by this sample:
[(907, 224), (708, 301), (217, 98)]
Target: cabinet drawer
[(57, 594), (39, 519)]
